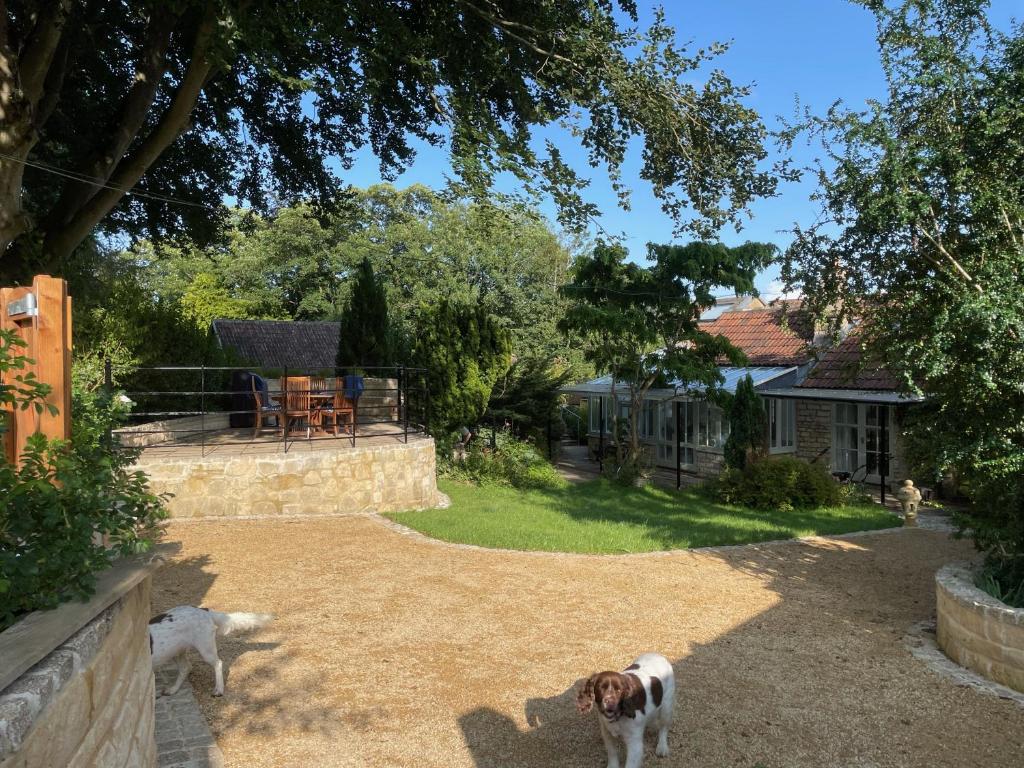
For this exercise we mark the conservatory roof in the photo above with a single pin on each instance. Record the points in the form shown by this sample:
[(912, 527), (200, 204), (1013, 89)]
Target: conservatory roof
[(732, 375)]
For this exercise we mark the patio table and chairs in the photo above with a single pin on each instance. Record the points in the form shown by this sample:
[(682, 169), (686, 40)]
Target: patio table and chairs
[(308, 400)]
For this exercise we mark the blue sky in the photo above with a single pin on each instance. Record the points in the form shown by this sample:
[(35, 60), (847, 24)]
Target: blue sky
[(817, 50)]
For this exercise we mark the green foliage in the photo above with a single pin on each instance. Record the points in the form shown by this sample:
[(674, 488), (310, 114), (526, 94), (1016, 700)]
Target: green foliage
[(783, 483), (381, 75), (928, 196), (642, 324), (526, 396), (745, 410), (20, 389), (512, 462), (64, 494), (423, 247), (365, 337), (1003, 582), (463, 350)]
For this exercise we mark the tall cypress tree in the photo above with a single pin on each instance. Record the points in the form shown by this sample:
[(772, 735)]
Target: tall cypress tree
[(365, 338), (746, 424)]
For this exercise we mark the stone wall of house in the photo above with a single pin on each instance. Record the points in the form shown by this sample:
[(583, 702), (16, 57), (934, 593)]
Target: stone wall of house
[(90, 701), (370, 478), (977, 631), (814, 431)]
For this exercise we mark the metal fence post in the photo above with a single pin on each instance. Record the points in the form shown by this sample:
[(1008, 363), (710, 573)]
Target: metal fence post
[(403, 401), (202, 410), (108, 387)]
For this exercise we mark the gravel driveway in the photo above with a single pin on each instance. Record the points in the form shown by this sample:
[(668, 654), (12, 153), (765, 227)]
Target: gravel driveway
[(390, 650)]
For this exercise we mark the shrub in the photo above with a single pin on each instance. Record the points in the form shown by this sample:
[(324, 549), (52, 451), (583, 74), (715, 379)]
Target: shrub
[(780, 483), (60, 503), (512, 462)]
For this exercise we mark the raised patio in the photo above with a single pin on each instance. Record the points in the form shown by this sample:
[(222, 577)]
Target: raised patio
[(382, 461)]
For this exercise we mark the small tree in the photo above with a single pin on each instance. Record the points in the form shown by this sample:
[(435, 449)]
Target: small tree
[(365, 337), (463, 350), (746, 424), (642, 324)]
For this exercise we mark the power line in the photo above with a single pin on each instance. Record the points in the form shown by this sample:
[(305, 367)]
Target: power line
[(100, 183)]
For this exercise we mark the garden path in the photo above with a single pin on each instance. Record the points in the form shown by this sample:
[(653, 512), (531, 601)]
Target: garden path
[(394, 650)]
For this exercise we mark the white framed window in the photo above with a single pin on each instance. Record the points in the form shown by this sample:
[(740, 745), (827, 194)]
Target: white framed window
[(712, 426), (781, 414), (647, 416), (594, 414)]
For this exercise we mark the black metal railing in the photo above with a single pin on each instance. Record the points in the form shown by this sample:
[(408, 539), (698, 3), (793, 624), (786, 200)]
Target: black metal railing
[(208, 406)]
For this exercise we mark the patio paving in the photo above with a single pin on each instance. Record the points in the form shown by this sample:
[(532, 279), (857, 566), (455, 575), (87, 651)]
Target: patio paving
[(394, 650)]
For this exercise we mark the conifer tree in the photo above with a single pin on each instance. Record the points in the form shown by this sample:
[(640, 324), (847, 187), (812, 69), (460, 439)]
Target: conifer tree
[(746, 424), (365, 339)]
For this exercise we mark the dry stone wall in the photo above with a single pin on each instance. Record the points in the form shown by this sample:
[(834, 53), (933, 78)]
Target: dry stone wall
[(381, 478), (977, 631), (90, 701)]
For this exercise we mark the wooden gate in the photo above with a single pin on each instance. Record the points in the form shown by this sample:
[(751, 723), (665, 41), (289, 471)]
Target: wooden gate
[(41, 315)]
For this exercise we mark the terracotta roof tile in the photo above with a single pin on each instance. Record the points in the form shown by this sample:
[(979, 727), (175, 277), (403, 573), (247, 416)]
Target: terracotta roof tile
[(845, 367), (766, 336)]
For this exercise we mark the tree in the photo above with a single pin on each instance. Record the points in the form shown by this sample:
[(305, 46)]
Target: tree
[(922, 239), (642, 324), (502, 255), (463, 351), (365, 338), (746, 424), (527, 396), (138, 117)]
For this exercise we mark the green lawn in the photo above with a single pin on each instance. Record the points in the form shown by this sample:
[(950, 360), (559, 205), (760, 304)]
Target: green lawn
[(600, 517)]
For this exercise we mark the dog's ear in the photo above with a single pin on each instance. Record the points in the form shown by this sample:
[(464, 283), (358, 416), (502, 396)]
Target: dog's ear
[(634, 696), (585, 696)]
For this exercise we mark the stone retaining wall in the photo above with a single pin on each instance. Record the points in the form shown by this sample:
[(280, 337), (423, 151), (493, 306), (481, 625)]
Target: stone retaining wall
[(977, 631), (90, 701), (371, 478)]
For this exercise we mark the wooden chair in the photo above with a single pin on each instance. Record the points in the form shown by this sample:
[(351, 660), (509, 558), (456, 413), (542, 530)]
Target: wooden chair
[(265, 408), (298, 404), (340, 407)]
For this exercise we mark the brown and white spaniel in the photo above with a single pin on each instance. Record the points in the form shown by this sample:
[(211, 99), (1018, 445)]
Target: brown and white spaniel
[(629, 702)]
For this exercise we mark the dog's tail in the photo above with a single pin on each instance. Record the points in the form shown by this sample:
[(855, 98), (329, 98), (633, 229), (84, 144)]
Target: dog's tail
[(229, 623)]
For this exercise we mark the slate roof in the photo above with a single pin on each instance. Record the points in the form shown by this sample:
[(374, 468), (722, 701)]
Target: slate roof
[(298, 344), (767, 336), (845, 367)]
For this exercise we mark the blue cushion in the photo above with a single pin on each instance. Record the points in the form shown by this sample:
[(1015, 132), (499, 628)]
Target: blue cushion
[(354, 386)]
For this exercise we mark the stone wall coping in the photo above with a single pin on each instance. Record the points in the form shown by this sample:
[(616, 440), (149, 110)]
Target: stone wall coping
[(303, 457), (957, 579), (35, 636)]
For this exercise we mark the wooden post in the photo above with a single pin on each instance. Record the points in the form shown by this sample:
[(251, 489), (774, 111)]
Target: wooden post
[(41, 316)]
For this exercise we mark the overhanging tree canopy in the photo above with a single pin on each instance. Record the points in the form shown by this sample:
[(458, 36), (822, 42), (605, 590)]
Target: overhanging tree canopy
[(196, 100)]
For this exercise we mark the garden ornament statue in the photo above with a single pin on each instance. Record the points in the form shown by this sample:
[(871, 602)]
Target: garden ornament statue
[(909, 497)]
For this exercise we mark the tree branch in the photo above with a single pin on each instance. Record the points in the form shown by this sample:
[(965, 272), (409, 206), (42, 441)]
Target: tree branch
[(39, 49), (60, 242), (131, 116)]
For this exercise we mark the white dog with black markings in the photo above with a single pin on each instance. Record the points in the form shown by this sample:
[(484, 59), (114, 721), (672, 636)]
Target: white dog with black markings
[(171, 634), (629, 702)]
